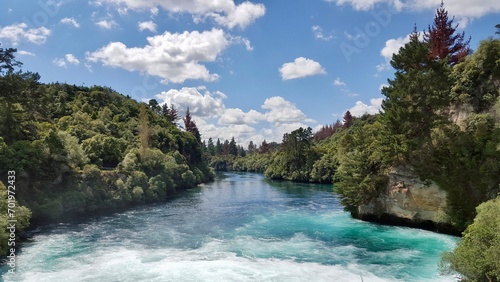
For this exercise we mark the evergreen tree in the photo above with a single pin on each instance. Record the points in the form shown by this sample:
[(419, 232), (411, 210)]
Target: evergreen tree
[(154, 106), (251, 147), (264, 147), (190, 126), (347, 120), (233, 149), (443, 40), (225, 148), (170, 113), (211, 147), (219, 148), (418, 92)]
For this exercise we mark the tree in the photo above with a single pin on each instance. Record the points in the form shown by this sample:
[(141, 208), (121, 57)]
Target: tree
[(498, 29), (7, 60), (190, 126), (170, 113), (219, 148), (18, 99), (233, 149), (477, 255), (154, 106), (143, 131), (251, 147), (347, 120), (414, 97), (444, 42), (211, 147), (264, 147)]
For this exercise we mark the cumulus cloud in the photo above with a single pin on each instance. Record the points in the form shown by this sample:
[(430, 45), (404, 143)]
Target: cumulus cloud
[(149, 25), (174, 57), (281, 110), (19, 32), (70, 21), (237, 116), (361, 108), (214, 120), (201, 102), (301, 67), (107, 24), (459, 8), (68, 58), (318, 33), (391, 47), (223, 12)]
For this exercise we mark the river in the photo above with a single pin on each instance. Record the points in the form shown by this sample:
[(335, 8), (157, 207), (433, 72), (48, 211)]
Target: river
[(241, 227)]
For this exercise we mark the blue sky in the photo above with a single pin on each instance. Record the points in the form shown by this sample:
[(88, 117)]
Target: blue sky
[(249, 69)]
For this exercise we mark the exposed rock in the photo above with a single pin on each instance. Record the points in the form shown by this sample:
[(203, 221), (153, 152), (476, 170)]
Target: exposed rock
[(459, 113), (409, 201)]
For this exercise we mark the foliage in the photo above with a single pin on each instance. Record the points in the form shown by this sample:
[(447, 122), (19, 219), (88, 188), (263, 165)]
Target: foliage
[(296, 157), (79, 150), (22, 217), (444, 42), (477, 255)]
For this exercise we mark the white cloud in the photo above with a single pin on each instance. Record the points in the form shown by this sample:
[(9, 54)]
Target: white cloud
[(248, 45), (72, 59), (301, 67), (105, 24), (318, 33), (204, 104), (70, 21), (20, 32), (391, 47), (237, 116), (174, 57), (68, 58), (338, 82), (361, 108), (459, 8), (149, 25), (363, 5), (281, 110), (25, 53), (223, 12), (59, 62)]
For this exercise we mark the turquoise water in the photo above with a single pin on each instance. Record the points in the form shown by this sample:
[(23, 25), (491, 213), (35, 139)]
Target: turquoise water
[(240, 228)]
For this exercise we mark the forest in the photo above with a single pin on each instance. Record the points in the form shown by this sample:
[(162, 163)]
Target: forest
[(77, 151), (74, 151)]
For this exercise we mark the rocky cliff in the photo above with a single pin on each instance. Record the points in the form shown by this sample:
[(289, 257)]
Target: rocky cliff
[(409, 201)]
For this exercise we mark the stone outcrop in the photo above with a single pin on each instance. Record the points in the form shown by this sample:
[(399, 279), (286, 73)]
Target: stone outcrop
[(409, 201)]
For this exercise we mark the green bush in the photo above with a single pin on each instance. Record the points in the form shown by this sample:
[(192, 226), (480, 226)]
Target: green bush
[(477, 255)]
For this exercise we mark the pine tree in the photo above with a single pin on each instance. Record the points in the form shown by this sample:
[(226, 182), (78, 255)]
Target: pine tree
[(347, 120), (264, 147), (444, 41), (418, 92), (233, 149), (211, 147), (190, 126)]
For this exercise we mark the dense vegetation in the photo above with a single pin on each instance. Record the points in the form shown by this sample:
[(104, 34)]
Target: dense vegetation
[(79, 150), (477, 256)]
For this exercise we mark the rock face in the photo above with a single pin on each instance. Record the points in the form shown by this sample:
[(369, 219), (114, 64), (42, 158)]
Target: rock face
[(409, 201)]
